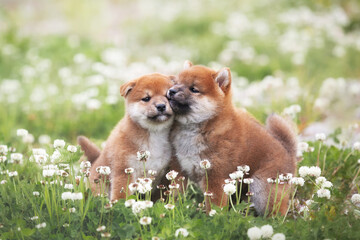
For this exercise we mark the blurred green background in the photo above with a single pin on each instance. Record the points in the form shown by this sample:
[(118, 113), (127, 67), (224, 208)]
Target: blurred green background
[(62, 62)]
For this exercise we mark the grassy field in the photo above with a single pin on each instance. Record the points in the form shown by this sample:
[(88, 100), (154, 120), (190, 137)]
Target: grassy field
[(61, 65)]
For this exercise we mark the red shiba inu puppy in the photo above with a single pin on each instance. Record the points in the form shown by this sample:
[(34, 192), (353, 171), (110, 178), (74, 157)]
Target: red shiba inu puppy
[(209, 126), (145, 127)]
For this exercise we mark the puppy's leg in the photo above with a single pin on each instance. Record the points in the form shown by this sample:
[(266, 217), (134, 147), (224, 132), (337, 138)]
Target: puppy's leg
[(269, 198), (118, 186)]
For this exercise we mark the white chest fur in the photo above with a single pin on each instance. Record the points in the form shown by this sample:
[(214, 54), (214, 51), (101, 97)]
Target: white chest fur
[(188, 144), (159, 146)]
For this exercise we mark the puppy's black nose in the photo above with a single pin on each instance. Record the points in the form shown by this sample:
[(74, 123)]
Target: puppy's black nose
[(161, 107), (172, 92)]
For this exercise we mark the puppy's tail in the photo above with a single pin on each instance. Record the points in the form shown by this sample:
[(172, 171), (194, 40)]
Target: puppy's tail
[(283, 132), (92, 152)]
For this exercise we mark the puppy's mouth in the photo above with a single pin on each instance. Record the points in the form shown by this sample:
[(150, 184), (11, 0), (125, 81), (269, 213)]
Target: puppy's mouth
[(178, 107), (160, 117)]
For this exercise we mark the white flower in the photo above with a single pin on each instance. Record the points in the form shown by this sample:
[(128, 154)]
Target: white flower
[(169, 206), (41, 225), (59, 143), (254, 233), (304, 171), (148, 204), (174, 186), (229, 189), (356, 146), (72, 210), (66, 195), (143, 155), (267, 231), (232, 181), (133, 187), (314, 171), (129, 203), (171, 175), (36, 193), (85, 164), (49, 172), (66, 225), (101, 228), (12, 174), (71, 196), (44, 139), (3, 149), (103, 170), (320, 180), (55, 156), (244, 168), (3, 182), (39, 151), (323, 193), (145, 220), (77, 196), (212, 212), (236, 175), (22, 132), (2, 159), (28, 138), (137, 207), (355, 199), (72, 148), (68, 186), (16, 157), (303, 147), (320, 137), (297, 181), (129, 170), (278, 236), (205, 164), (248, 180), (181, 231), (152, 172), (106, 235), (34, 218)]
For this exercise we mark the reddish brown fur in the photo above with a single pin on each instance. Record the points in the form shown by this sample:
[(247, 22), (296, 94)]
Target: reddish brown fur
[(231, 138), (129, 136)]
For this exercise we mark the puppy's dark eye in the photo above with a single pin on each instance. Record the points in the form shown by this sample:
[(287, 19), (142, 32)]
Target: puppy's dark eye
[(194, 90), (146, 99)]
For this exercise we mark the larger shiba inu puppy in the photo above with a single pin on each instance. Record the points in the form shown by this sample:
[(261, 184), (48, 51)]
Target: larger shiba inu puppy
[(145, 127), (208, 126)]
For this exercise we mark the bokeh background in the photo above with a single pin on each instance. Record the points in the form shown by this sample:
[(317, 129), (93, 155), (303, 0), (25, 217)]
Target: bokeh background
[(62, 62)]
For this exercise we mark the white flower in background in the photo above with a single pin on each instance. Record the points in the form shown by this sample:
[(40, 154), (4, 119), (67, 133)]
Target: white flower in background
[(68, 186), (55, 156), (236, 175), (304, 171), (212, 213), (171, 175), (181, 231), (320, 137), (229, 189), (356, 146), (254, 233), (355, 199), (13, 174), (77, 196), (174, 186), (16, 157), (267, 231), (36, 193), (106, 235), (39, 151), (103, 170), (66, 195), (133, 187), (101, 228), (72, 210), (152, 172), (22, 132), (44, 139), (169, 206), (143, 155), (137, 207), (28, 138), (248, 180), (301, 148), (297, 181), (48, 172), (59, 143), (129, 170), (71, 196), (314, 171), (148, 204), (205, 164), (3, 159), (72, 148), (41, 225), (93, 104), (3, 182), (34, 218), (292, 110), (145, 220), (3, 149), (129, 203), (278, 236), (323, 193), (232, 181)]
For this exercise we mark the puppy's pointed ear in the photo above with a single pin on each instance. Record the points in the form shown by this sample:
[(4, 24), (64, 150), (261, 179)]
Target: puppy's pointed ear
[(223, 79), (187, 64), (126, 88)]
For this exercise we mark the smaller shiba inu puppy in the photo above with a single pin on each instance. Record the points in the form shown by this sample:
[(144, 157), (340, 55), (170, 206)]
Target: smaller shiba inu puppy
[(145, 127), (208, 126)]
